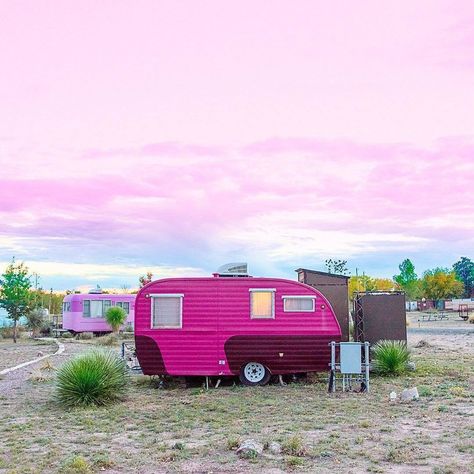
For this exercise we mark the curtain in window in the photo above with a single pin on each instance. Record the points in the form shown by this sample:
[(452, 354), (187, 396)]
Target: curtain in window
[(96, 309), (262, 304), (166, 312), (298, 304), (107, 305)]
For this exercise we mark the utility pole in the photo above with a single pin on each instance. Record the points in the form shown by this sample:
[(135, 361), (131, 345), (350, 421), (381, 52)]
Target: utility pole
[(50, 300)]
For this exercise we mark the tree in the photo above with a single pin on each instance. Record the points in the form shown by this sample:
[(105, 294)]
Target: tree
[(367, 283), (336, 266), (145, 279), (35, 320), (407, 280), (464, 270), (15, 294), (115, 317), (441, 283)]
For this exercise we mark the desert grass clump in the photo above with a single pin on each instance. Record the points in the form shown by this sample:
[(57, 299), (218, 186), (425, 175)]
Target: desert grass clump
[(108, 340), (95, 378), (390, 357)]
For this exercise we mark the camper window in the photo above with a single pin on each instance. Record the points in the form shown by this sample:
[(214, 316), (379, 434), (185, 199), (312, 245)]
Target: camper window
[(167, 311), (106, 306), (262, 303), (86, 309), (298, 304), (66, 306), (96, 309)]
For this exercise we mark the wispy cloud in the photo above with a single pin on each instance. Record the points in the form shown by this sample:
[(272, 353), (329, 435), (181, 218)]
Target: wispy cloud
[(282, 200)]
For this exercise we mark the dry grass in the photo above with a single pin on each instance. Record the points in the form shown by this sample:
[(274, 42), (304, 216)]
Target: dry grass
[(178, 429)]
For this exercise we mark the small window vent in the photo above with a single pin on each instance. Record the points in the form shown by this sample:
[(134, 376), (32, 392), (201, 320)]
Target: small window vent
[(238, 269)]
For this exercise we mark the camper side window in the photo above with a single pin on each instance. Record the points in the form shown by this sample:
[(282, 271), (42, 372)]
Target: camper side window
[(86, 309), (298, 304), (262, 303), (167, 311)]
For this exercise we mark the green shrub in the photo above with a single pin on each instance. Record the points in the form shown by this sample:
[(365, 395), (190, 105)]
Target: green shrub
[(85, 336), (95, 378), (390, 357), (115, 317), (294, 446), (35, 321)]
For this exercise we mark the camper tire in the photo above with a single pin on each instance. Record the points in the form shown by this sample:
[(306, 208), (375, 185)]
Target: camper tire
[(254, 373)]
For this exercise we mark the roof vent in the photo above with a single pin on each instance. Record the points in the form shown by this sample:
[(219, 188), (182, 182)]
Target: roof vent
[(96, 291), (236, 269)]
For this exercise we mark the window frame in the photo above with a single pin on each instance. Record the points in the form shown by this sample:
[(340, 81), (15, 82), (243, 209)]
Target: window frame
[(90, 308), (262, 290), (166, 295), (84, 315), (301, 297)]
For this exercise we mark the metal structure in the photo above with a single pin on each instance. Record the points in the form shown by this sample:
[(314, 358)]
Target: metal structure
[(353, 366), (463, 311), (379, 315), (129, 355)]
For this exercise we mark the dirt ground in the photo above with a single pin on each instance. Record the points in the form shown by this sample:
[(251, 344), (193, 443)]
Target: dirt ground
[(192, 430), (12, 354)]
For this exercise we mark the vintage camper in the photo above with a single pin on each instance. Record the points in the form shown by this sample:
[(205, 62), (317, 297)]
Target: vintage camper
[(85, 312), (233, 325)]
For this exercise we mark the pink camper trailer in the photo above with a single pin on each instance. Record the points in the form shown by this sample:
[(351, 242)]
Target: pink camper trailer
[(86, 312), (251, 327)]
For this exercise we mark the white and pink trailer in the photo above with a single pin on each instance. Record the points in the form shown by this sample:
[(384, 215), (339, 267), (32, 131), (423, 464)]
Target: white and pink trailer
[(251, 327), (86, 312)]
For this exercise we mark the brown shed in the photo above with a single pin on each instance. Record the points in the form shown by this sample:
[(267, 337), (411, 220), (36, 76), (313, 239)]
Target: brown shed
[(335, 289), (380, 315)]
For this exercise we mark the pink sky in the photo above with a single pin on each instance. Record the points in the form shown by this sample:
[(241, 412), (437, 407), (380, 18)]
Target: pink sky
[(177, 136)]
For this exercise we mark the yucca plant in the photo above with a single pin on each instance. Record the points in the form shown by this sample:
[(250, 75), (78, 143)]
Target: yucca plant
[(390, 357), (115, 317), (95, 378)]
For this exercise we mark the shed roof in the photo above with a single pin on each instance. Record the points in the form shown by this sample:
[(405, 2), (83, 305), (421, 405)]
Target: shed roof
[(322, 273)]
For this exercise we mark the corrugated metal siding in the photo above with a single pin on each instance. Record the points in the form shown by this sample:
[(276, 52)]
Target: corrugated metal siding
[(215, 309), (74, 321)]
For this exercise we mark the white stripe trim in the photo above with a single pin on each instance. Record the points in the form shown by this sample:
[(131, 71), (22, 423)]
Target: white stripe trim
[(167, 295), (313, 297)]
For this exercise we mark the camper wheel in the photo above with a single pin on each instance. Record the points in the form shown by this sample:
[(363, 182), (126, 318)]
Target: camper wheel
[(254, 373)]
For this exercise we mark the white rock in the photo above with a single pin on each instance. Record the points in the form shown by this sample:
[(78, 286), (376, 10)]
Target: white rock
[(411, 366), (393, 396), (249, 448), (409, 394), (274, 447)]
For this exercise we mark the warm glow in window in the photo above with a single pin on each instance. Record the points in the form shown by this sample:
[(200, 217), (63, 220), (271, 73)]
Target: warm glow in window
[(262, 304)]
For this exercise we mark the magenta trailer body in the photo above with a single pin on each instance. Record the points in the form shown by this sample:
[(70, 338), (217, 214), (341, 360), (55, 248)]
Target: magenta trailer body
[(214, 326), (86, 312)]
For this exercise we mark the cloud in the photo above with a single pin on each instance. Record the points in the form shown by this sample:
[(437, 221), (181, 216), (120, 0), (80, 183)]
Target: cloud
[(280, 200)]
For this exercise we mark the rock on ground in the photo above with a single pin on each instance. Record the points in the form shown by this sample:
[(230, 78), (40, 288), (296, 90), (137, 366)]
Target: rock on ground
[(409, 394), (274, 447), (249, 448)]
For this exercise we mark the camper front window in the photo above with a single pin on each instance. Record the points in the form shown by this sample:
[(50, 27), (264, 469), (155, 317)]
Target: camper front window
[(166, 311), (262, 303)]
